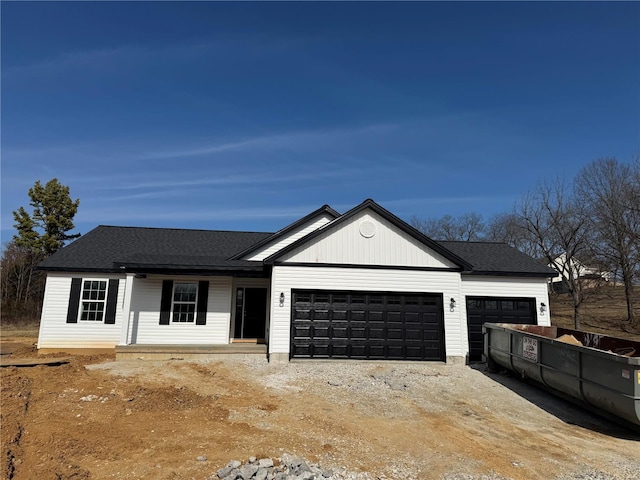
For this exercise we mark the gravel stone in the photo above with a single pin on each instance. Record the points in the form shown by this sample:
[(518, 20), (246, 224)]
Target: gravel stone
[(265, 463), (290, 468)]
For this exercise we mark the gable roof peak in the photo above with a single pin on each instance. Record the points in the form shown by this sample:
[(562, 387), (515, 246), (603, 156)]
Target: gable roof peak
[(325, 209), (388, 216)]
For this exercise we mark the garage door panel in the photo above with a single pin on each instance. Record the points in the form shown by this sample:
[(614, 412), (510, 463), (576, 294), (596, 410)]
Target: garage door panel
[(377, 351), (302, 331), (339, 350), (339, 332), (320, 314), (413, 334), (395, 333), (377, 333), (358, 350), (359, 333), (321, 331), (413, 317), (339, 314), (394, 317), (367, 325), (321, 351)]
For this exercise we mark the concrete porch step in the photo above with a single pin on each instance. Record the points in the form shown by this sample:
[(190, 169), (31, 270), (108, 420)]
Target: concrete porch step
[(188, 352)]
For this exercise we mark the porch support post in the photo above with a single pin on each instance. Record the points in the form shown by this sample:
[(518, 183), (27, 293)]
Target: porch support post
[(126, 310)]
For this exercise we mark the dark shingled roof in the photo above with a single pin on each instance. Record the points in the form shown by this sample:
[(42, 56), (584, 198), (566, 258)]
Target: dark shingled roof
[(497, 258), (110, 249), (107, 248)]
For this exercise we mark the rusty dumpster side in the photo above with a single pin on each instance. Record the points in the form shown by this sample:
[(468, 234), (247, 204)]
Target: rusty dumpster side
[(598, 371)]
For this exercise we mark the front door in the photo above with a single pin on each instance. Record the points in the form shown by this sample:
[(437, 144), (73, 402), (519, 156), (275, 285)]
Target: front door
[(251, 314)]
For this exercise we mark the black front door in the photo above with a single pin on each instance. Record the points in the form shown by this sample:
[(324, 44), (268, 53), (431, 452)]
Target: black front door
[(251, 313)]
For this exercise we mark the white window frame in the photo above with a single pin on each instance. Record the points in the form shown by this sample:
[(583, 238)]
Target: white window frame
[(95, 301), (175, 302)]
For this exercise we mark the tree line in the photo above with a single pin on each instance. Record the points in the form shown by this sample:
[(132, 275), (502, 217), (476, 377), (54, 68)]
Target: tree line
[(39, 234), (592, 220)]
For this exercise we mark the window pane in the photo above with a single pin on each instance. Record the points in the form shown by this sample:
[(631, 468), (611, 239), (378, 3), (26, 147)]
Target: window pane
[(524, 306), (92, 311), (507, 305), (477, 304), (184, 312), (185, 292)]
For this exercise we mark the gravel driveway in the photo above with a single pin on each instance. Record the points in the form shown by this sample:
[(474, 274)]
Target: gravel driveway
[(459, 422)]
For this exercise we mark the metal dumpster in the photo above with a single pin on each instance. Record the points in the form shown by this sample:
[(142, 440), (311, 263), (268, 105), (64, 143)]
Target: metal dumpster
[(598, 371)]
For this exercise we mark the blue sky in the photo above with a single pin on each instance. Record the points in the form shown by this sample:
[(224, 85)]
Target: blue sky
[(250, 115)]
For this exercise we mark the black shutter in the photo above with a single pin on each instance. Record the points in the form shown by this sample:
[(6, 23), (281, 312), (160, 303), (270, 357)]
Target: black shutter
[(165, 301), (112, 299), (74, 300), (203, 298)]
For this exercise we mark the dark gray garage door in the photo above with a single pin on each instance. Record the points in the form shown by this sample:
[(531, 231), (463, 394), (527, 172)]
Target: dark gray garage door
[(367, 325), (495, 310)]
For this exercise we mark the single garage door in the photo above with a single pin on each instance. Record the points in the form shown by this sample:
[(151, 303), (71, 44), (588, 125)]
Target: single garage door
[(367, 325), (495, 310)]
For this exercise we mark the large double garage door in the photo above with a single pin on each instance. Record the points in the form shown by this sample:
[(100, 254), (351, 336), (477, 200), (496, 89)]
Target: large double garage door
[(367, 325)]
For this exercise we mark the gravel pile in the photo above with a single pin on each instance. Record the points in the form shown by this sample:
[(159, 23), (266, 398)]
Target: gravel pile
[(287, 467)]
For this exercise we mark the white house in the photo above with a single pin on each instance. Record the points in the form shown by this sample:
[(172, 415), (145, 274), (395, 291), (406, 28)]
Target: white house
[(574, 269), (361, 285)]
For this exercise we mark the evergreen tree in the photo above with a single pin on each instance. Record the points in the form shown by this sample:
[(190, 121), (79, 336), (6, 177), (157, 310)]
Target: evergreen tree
[(45, 231)]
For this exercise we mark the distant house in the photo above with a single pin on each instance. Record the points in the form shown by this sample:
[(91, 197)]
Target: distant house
[(573, 270), (358, 285)]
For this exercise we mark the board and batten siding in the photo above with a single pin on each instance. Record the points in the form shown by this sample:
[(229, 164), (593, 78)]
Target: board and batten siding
[(145, 328), (488, 286), (285, 278), (286, 240), (345, 244), (55, 332)]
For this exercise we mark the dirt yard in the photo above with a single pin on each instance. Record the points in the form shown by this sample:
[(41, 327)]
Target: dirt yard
[(96, 418)]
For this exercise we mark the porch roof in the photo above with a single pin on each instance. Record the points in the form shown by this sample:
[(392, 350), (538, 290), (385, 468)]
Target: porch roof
[(118, 249)]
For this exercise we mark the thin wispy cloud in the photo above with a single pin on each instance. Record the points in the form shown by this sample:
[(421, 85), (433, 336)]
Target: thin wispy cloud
[(135, 56), (288, 140)]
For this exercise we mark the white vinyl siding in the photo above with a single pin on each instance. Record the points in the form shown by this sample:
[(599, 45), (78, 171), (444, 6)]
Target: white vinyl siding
[(298, 233), (487, 286), (145, 325), (55, 332), (344, 244), (285, 278)]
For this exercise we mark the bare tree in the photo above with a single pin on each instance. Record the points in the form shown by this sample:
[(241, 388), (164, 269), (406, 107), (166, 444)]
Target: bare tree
[(22, 286), (510, 228), (610, 190), (558, 226), (467, 227)]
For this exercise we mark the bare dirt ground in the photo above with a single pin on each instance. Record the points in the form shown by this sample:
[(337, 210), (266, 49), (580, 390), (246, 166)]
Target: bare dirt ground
[(96, 418), (604, 311)]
